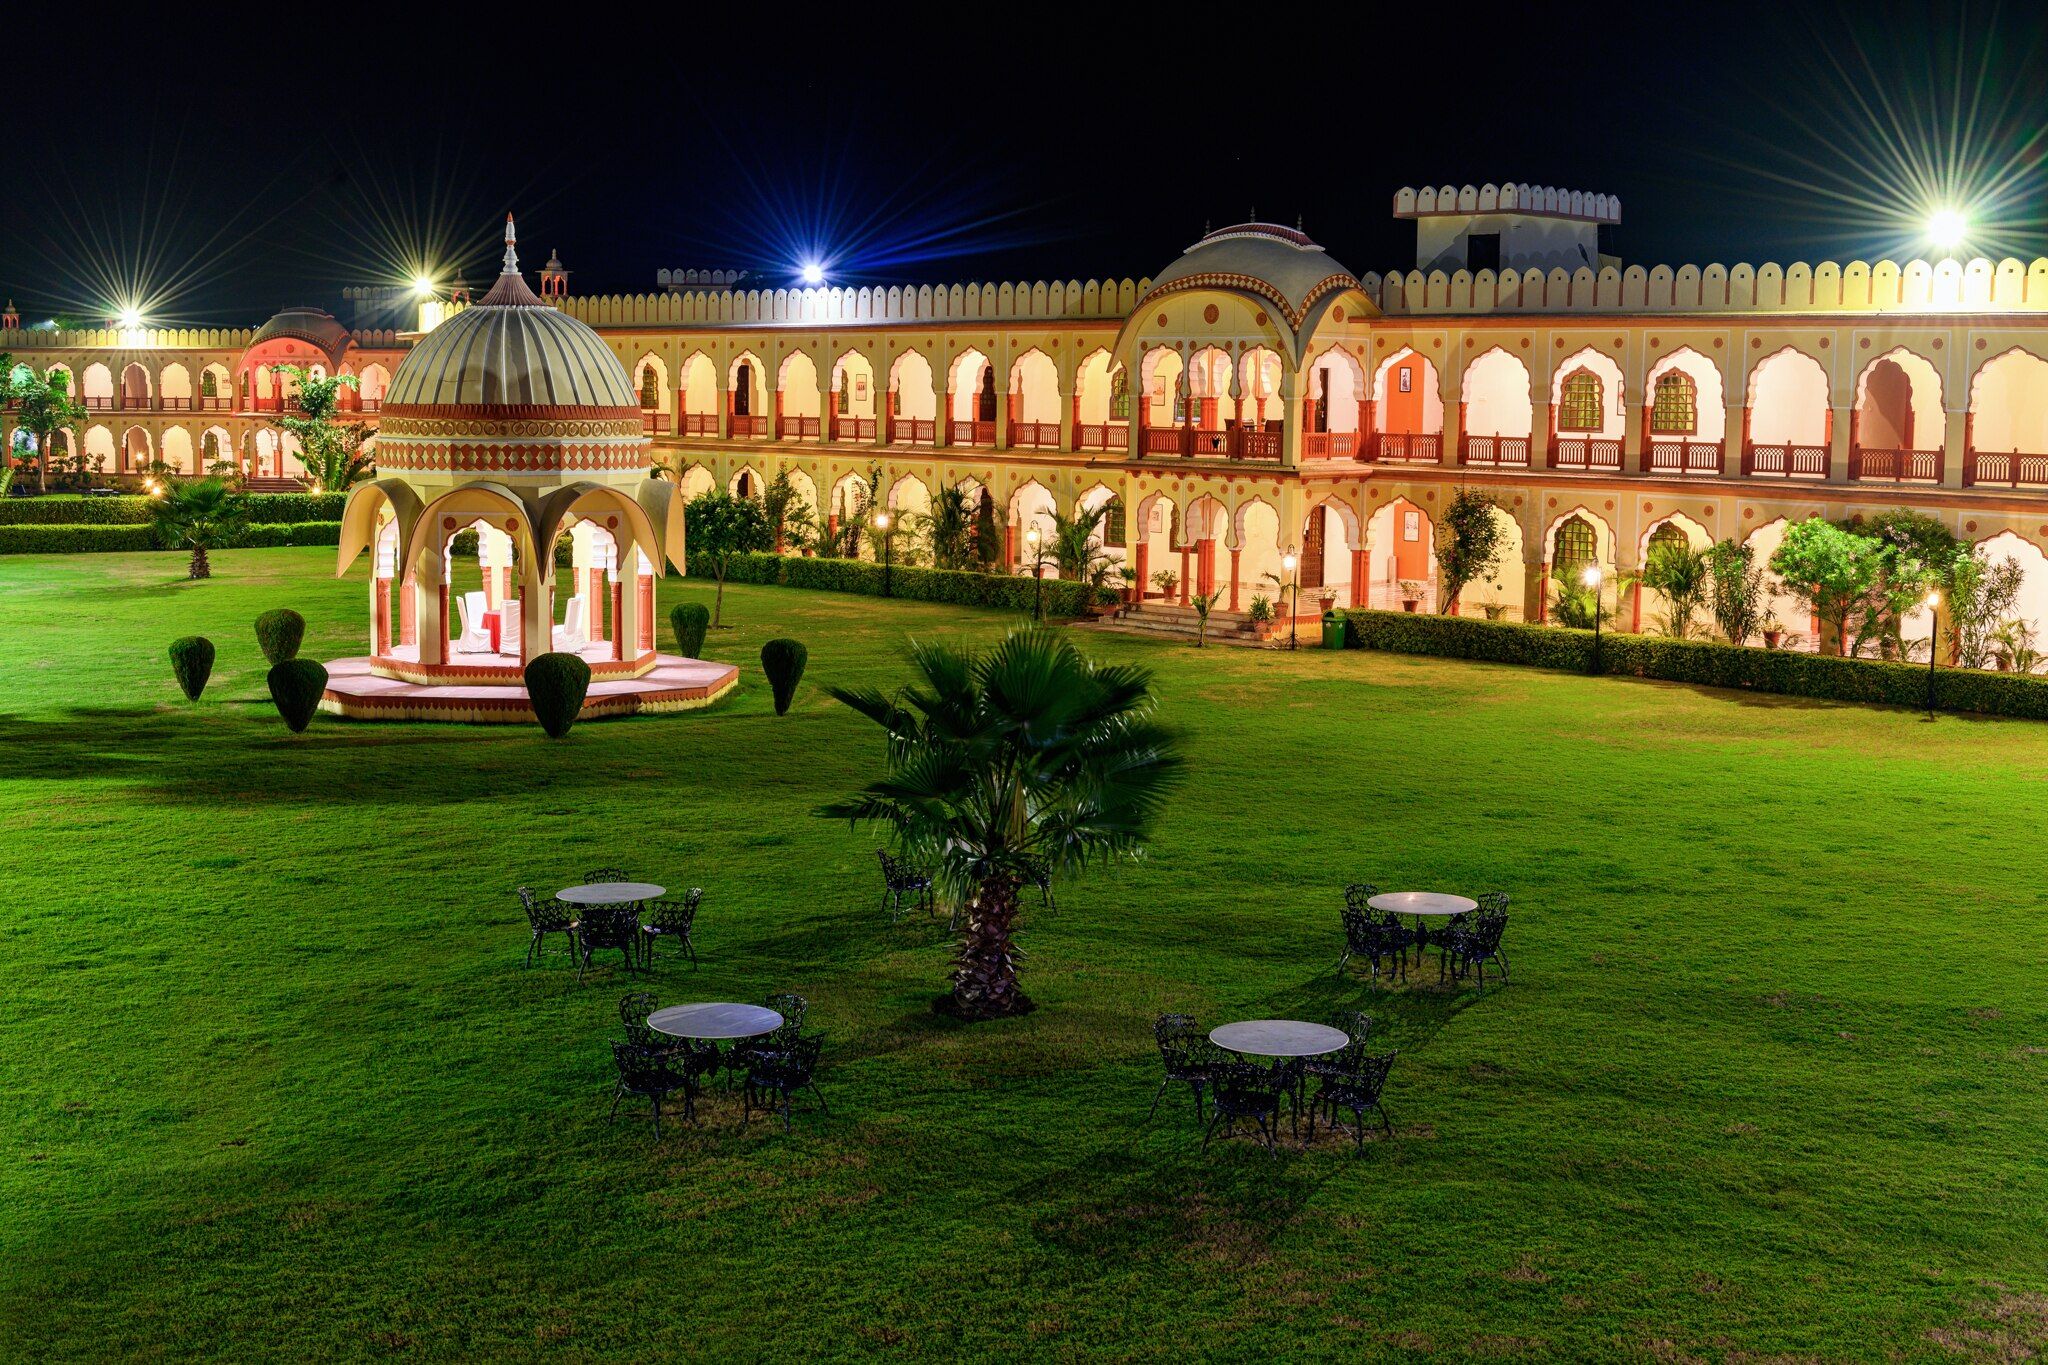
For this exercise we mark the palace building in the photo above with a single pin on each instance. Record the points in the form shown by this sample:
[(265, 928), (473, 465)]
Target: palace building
[(1256, 397)]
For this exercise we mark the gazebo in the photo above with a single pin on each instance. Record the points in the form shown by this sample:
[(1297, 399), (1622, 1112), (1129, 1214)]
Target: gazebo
[(512, 434)]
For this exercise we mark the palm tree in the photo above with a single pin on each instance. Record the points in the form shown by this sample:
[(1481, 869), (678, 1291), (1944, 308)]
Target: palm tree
[(950, 528), (202, 515), (1075, 547), (1025, 761)]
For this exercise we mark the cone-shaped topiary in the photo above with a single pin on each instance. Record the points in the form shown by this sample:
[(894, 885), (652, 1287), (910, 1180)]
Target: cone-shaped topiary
[(296, 685), (556, 684), (192, 662), (689, 621), (279, 633), (783, 661)]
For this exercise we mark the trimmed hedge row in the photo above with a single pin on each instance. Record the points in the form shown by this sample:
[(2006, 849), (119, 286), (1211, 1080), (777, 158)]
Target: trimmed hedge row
[(1707, 663), (1006, 591), (70, 540), (133, 509)]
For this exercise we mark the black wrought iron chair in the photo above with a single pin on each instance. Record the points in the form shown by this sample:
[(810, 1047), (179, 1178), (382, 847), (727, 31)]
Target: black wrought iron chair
[(1187, 1056), (1354, 1081), (671, 919), (1369, 937), (605, 874), (1248, 1091), (1355, 1025), (546, 917), (608, 927), (653, 1075), (899, 879), (792, 1008), (1478, 943), (773, 1079), (634, 1007)]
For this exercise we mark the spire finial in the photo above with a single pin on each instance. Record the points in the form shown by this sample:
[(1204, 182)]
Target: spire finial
[(1252, 214), (1297, 223), (511, 254)]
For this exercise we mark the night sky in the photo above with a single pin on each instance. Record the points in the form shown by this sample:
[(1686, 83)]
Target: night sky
[(215, 171)]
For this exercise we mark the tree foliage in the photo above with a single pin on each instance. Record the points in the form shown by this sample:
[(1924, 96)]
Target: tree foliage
[(1685, 575), (1468, 543), (783, 661), (43, 407), (1737, 592), (332, 451), (1830, 569), (199, 515), (720, 526)]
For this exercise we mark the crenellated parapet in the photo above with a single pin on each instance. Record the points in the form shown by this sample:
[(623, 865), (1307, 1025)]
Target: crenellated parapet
[(1886, 286), (1048, 300), (1410, 202)]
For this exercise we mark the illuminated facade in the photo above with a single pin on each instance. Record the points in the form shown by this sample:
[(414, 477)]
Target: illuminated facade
[(1256, 397)]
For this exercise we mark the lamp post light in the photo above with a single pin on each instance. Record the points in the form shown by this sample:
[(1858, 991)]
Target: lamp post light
[(888, 542), (1037, 544), (1592, 578), (1288, 564), (1933, 638)]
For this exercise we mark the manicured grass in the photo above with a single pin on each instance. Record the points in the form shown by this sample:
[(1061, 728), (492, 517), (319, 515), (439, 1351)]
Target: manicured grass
[(1769, 1081)]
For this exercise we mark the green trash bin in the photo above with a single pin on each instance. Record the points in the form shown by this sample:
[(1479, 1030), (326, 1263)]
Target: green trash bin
[(1333, 630)]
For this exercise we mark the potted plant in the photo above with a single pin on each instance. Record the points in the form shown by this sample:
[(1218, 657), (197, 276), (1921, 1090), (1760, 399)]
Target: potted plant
[(1495, 611), (1411, 595), (1166, 580), (1774, 630), (1132, 589)]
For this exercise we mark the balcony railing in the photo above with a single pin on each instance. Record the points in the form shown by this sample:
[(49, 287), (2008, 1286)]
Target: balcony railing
[(1494, 452), (1682, 457), (1234, 443), (1036, 435), (1101, 435), (650, 421), (2004, 469), (1407, 447), (698, 424), (1331, 445), (747, 425), (1588, 454), (1895, 466), (961, 433), (853, 428), (798, 428), (1786, 462)]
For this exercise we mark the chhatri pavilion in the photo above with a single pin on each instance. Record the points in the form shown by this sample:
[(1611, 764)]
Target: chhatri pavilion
[(513, 428)]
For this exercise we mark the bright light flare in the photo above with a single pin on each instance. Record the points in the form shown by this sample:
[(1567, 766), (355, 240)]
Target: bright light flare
[(130, 317), (1948, 228), (423, 285), (812, 274)]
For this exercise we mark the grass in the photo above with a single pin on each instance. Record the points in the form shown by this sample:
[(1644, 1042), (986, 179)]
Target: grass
[(1770, 1082)]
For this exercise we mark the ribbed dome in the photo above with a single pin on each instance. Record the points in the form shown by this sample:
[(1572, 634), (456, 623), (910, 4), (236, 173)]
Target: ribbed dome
[(511, 350), (1282, 265), (314, 326)]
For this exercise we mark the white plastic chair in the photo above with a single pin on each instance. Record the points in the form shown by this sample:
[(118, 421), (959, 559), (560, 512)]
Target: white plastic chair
[(508, 627), (570, 636), (476, 637)]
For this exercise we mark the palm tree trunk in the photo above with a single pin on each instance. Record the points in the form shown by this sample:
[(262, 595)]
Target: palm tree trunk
[(984, 968), (201, 568)]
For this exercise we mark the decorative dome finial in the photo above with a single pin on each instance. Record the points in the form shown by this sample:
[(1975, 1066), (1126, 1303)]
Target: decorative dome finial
[(511, 254)]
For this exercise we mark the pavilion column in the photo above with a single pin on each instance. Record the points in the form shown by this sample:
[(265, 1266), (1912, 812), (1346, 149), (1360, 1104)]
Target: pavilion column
[(618, 589), (1144, 556), (644, 582), (1006, 409), (1635, 610), (1543, 594), (1235, 552), (408, 610), (1841, 435), (1070, 415), (1955, 439), (433, 607), (380, 615), (1184, 551)]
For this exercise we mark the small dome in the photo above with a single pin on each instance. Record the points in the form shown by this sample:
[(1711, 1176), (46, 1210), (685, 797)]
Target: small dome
[(1281, 265), (314, 326)]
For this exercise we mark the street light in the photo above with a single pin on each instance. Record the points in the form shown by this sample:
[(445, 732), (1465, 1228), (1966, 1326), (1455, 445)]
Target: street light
[(1933, 605), (1036, 542), (1591, 578), (888, 541), (1288, 564)]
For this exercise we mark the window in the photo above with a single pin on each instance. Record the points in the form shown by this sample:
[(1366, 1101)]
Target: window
[(650, 388), (1667, 534), (1113, 523), (1482, 251), (209, 386), (1120, 396), (1407, 380), (1579, 405), (1576, 544), (1673, 411), (743, 390)]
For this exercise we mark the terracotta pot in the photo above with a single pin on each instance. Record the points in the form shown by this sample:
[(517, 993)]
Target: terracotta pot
[(1771, 638), (1410, 604)]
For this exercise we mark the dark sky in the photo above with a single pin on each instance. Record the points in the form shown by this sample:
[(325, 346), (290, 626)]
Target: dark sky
[(219, 170)]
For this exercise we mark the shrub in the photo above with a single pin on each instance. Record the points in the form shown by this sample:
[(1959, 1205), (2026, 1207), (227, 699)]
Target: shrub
[(556, 685), (192, 663), (134, 510), (72, 540), (1005, 591), (279, 634), (1705, 663), (295, 686), (690, 621), (783, 661)]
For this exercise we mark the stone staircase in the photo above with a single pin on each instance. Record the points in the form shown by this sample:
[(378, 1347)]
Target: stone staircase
[(1171, 621), (274, 484)]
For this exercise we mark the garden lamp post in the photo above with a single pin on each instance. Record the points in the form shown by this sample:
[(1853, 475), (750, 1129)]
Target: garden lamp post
[(1037, 544), (888, 541), (1288, 564), (1933, 638), (1591, 578)]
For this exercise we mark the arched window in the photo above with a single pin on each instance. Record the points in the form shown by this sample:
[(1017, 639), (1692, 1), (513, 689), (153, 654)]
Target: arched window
[(1120, 395), (209, 386), (845, 395), (1113, 523), (746, 484), (1578, 408), (1674, 410), (743, 390), (650, 387), (1575, 545), (1668, 534)]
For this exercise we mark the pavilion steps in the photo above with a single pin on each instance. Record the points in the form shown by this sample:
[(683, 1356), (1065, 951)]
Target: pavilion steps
[(271, 483), (1171, 621)]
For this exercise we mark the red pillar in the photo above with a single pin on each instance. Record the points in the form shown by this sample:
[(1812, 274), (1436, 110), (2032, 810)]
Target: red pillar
[(618, 611), (441, 610), (1144, 570), (1635, 613), (408, 612), (645, 583), (1233, 578), (380, 619), (1361, 586), (1184, 575), (1543, 595)]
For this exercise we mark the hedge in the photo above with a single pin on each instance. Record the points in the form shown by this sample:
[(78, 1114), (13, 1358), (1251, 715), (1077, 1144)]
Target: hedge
[(1707, 663), (1007, 591), (133, 509), (64, 540)]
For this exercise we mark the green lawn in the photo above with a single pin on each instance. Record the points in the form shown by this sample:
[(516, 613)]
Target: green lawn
[(1771, 1080)]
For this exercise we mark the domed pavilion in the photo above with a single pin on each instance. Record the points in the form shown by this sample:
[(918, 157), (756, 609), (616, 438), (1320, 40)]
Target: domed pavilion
[(512, 437)]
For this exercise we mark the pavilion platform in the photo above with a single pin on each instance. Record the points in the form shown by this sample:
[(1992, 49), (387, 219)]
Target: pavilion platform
[(673, 684)]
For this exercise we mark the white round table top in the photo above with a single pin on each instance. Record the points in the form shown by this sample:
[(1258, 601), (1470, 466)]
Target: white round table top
[(714, 1020), (612, 893), (1422, 903), (1279, 1038)]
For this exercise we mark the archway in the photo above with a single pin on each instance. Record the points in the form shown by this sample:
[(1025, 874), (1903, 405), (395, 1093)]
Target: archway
[(1650, 605), (1587, 415), (1035, 401), (136, 450), (1408, 409), (2025, 628), (2008, 442), (177, 453), (650, 382), (1095, 405), (1334, 414), (971, 393), (1162, 407), (1031, 512), (1897, 428), (1496, 416), (913, 401), (1685, 421), (1789, 424), (174, 388), (852, 400), (1400, 541), (798, 404), (746, 393)]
